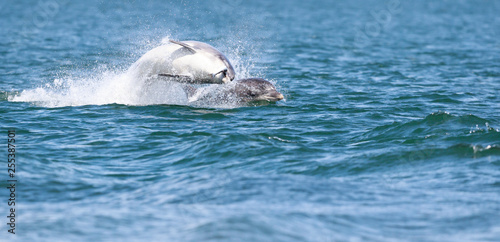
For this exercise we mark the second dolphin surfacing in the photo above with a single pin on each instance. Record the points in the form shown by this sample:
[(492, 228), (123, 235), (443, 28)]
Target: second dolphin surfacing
[(185, 61), (240, 91)]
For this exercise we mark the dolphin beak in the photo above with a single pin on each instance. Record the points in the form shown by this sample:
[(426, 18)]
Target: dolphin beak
[(274, 97)]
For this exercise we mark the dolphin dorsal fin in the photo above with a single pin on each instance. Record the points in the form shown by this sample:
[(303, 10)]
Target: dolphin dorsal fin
[(184, 45)]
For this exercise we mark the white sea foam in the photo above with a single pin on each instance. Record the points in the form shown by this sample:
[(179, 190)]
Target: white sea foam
[(102, 88)]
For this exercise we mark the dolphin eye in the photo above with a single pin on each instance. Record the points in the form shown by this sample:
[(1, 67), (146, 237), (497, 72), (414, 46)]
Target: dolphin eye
[(251, 94)]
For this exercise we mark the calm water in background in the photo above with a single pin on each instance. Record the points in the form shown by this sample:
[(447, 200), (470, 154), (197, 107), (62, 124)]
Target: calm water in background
[(389, 130)]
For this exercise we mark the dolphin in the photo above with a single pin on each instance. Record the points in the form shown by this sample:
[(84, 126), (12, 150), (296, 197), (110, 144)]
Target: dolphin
[(185, 61), (240, 91)]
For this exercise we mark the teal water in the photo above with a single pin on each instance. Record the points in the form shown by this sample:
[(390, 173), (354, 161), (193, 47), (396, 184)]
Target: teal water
[(389, 129)]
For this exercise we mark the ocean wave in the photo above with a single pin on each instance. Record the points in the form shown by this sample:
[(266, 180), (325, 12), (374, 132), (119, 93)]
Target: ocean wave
[(435, 125)]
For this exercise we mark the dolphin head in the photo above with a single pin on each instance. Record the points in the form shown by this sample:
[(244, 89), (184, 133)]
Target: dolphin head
[(217, 64), (225, 75), (257, 89)]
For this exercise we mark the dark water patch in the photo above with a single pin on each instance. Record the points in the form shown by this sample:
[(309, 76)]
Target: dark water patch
[(446, 100), (436, 124), (488, 74), (420, 158), (160, 134), (475, 151)]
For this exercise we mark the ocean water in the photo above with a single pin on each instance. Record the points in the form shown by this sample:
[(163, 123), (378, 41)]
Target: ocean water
[(389, 130)]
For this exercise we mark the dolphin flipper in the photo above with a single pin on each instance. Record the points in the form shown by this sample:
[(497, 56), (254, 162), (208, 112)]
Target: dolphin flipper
[(175, 76), (179, 78)]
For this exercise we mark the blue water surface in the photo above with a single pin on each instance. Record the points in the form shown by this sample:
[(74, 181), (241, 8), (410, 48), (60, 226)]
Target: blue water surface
[(389, 129)]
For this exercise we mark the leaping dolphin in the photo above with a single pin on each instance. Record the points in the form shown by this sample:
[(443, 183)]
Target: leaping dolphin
[(185, 61)]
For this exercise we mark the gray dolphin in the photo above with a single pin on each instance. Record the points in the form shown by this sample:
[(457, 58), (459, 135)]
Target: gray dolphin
[(244, 90)]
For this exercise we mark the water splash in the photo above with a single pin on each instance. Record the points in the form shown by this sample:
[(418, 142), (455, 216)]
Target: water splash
[(107, 85), (102, 88)]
